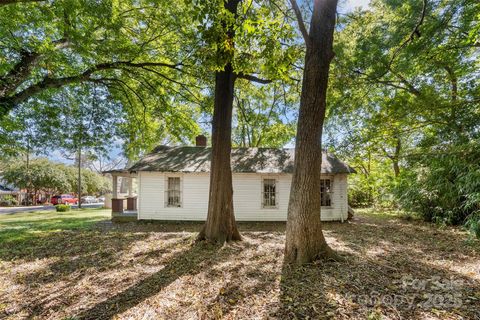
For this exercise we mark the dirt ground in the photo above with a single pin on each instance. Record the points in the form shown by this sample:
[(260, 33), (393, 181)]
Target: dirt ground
[(394, 269)]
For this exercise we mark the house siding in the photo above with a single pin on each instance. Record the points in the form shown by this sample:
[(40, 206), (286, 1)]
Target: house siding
[(247, 197)]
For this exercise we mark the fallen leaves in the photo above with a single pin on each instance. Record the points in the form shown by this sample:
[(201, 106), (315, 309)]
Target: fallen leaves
[(153, 271)]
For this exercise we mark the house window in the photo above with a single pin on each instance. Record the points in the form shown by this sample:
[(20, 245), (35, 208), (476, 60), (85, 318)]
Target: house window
[(269, 193), (326, 192), (173, 192)]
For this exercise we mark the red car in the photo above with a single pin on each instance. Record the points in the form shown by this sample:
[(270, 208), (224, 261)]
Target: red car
[(64, 199)]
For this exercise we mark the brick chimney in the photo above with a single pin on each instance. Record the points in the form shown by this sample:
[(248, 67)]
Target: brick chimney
[(201, 141)]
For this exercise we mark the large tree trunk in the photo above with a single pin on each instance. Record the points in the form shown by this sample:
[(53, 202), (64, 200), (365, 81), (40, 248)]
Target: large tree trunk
[(304, 238), (220, 225)]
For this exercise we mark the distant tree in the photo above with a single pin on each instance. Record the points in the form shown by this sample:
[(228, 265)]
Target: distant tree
[(41, 176), (52, 178), (24, 134), (87, 122), (92, 183), (305, 241), (264, 116)]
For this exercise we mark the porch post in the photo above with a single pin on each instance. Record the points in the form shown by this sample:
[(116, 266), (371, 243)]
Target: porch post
[(114, 187), (130, 187)]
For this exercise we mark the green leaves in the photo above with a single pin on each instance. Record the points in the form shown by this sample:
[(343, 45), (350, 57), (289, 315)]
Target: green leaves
[(50, 49), (265, 115), (263, 41), (44, 175), (408, 73)]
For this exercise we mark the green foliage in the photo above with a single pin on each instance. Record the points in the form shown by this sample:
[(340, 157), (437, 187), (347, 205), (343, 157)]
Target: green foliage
[(8, 201), (54, 178), (263, 42), (371, 186), (140, 70), (443, 187), (265, 115), (62, 208), (133, 52), (258, 41), (41, 174), (404, 106), (473, 225)]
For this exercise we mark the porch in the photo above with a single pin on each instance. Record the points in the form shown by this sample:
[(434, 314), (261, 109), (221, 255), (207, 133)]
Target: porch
[(124, 195)]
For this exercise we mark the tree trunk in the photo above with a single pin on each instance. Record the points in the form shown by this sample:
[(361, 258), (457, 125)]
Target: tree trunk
[(304, 238), (396, 165), (220, 225)]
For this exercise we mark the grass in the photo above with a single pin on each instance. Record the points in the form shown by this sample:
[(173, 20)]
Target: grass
[(78, 265), (29, 225)]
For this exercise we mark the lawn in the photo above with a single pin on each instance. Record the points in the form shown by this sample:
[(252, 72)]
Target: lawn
[(78, 265)]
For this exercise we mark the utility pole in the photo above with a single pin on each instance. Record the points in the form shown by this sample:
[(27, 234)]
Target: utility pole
[(79, 176), (29, 179)]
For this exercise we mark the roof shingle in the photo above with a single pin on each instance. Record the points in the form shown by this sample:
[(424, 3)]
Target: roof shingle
[(244, 160)]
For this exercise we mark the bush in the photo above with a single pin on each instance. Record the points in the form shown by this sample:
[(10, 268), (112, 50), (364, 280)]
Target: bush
[(370, 191), (473, 225), (62, 207), (359, 197), (8, 201), (443, 189)]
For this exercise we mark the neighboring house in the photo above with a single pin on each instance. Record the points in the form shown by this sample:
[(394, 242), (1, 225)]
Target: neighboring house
[(173, 184), (7, 192)]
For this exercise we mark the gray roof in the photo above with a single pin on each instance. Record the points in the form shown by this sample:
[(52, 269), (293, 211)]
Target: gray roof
[(5, 188), (244, 160)]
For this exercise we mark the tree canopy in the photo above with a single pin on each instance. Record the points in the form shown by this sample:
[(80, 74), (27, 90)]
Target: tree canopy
[(402, 107), (135, 51), (405, 105), (46, 176)]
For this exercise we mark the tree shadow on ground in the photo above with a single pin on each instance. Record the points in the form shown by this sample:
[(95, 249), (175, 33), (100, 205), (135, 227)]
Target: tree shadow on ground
[(362, 234), (191, 261), (362, 288), (392, 270), (130, 269), (191, 226), (248, 283), (29, 239)]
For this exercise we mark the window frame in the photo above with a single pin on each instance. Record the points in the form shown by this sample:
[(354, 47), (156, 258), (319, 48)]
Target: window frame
[(167, 191), (330, 193), (262, 192)]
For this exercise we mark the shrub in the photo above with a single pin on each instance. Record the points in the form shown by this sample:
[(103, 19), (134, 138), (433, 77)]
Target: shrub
[(443, 189), (8, 201), (473, 224), (62, 207), (359, 197)]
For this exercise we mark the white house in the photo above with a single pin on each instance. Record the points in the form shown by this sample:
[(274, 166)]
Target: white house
[(173, 184)]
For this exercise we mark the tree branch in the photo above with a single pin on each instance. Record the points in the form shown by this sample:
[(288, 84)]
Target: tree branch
[(301, 23), (411, 37), (20, 71), (23, 68), (8, 102), (253, 78)]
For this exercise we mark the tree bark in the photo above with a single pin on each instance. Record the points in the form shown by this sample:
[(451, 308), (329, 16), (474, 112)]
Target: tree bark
[(220, 225), (396, 157), (304, 237)]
